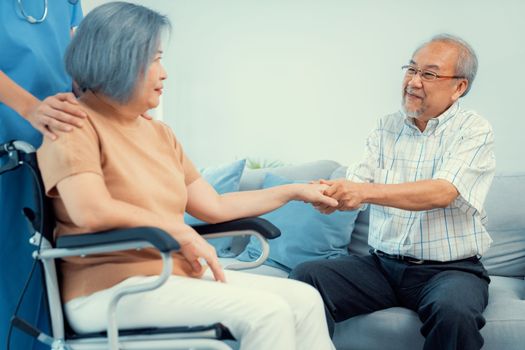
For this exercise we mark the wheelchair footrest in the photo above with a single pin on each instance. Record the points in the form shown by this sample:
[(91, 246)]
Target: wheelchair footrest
[(214, 331)]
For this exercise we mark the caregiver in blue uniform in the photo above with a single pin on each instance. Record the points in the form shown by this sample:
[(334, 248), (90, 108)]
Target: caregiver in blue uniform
[(35, 99)]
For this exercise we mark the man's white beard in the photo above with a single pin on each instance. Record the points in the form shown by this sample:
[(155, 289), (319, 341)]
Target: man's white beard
[(411, 114)]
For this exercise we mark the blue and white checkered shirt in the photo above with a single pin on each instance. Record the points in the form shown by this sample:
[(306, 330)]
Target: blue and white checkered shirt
[(457, 146)]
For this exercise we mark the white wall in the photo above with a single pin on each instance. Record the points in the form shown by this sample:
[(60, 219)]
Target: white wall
[(299, 80)]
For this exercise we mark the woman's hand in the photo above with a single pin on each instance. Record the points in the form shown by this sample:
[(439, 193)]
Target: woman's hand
[(314, 193), (56, 113), (348, 194), (194, 247)]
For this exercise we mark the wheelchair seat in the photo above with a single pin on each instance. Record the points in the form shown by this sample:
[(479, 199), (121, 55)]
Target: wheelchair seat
[(48, 252)]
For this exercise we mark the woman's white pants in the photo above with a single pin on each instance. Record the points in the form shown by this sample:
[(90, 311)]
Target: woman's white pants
[(263, 312)]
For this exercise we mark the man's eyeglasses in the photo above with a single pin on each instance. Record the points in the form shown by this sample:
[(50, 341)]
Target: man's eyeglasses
[(426, 75)]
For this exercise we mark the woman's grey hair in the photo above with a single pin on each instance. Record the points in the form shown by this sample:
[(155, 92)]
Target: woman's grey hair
[(467, 64), (113, 48)]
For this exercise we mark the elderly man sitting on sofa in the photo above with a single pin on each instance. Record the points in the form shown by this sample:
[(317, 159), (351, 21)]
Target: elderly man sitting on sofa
[(426, 173)]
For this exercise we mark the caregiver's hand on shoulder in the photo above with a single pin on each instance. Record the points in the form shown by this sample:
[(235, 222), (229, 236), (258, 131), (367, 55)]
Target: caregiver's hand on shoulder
[(193, 247), (60, 112)]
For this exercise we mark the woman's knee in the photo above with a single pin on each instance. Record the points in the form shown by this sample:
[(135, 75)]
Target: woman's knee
[(266, 323), (300, 295), (270, 307)]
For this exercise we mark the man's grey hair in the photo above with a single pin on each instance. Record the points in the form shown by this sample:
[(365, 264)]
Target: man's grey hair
[(113, 48), (467, 64)]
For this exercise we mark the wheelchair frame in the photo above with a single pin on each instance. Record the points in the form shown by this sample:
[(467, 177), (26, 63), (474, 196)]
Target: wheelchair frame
[(20, 153)]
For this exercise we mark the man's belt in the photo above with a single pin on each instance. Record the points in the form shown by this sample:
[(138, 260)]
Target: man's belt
[(408, 259), (412, 260)]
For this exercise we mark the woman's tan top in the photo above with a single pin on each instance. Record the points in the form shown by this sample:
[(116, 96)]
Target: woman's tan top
[(142, 164)]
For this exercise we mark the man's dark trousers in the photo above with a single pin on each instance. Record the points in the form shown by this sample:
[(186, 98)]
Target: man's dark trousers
[(448, 297)]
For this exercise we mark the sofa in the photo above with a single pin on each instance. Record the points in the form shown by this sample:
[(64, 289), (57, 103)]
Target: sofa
[(398, 328)]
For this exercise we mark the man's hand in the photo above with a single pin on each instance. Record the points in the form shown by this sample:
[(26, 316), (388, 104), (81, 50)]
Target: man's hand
[(56, 113), (348, 194), (194, 247)]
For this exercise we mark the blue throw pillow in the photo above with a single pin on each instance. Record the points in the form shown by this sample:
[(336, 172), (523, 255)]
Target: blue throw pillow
[(224, 179), (306, 234)]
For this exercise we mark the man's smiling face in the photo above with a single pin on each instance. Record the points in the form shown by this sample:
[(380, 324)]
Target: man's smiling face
[(423, 99)]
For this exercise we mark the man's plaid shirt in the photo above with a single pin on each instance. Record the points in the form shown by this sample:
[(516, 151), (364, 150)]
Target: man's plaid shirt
[(457, 146)]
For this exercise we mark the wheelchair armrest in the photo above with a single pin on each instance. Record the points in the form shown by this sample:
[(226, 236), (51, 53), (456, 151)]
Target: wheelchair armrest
[(142, 237), (256, 227), (158, 238), (262, 226)]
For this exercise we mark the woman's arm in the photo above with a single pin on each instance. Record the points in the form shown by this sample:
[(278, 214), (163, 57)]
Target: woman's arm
[(55, 113), (205, 204), (90, 206)]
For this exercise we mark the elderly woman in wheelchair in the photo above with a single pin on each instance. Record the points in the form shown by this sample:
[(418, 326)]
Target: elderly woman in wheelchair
[(121, 170)]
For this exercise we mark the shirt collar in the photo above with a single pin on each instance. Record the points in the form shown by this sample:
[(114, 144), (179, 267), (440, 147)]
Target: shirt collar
[(436, 123)]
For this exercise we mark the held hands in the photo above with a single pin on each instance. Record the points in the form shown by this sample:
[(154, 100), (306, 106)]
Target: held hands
[(315, 193), (56, 113), (194, 247), (348, 194)]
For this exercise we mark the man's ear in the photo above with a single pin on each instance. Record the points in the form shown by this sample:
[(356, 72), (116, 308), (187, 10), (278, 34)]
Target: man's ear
[(460, 89)]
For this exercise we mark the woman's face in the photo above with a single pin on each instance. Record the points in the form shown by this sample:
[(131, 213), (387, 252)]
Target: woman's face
[(148, 91)]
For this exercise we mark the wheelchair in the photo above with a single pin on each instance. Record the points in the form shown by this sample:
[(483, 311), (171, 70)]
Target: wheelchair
[(48, 251)]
